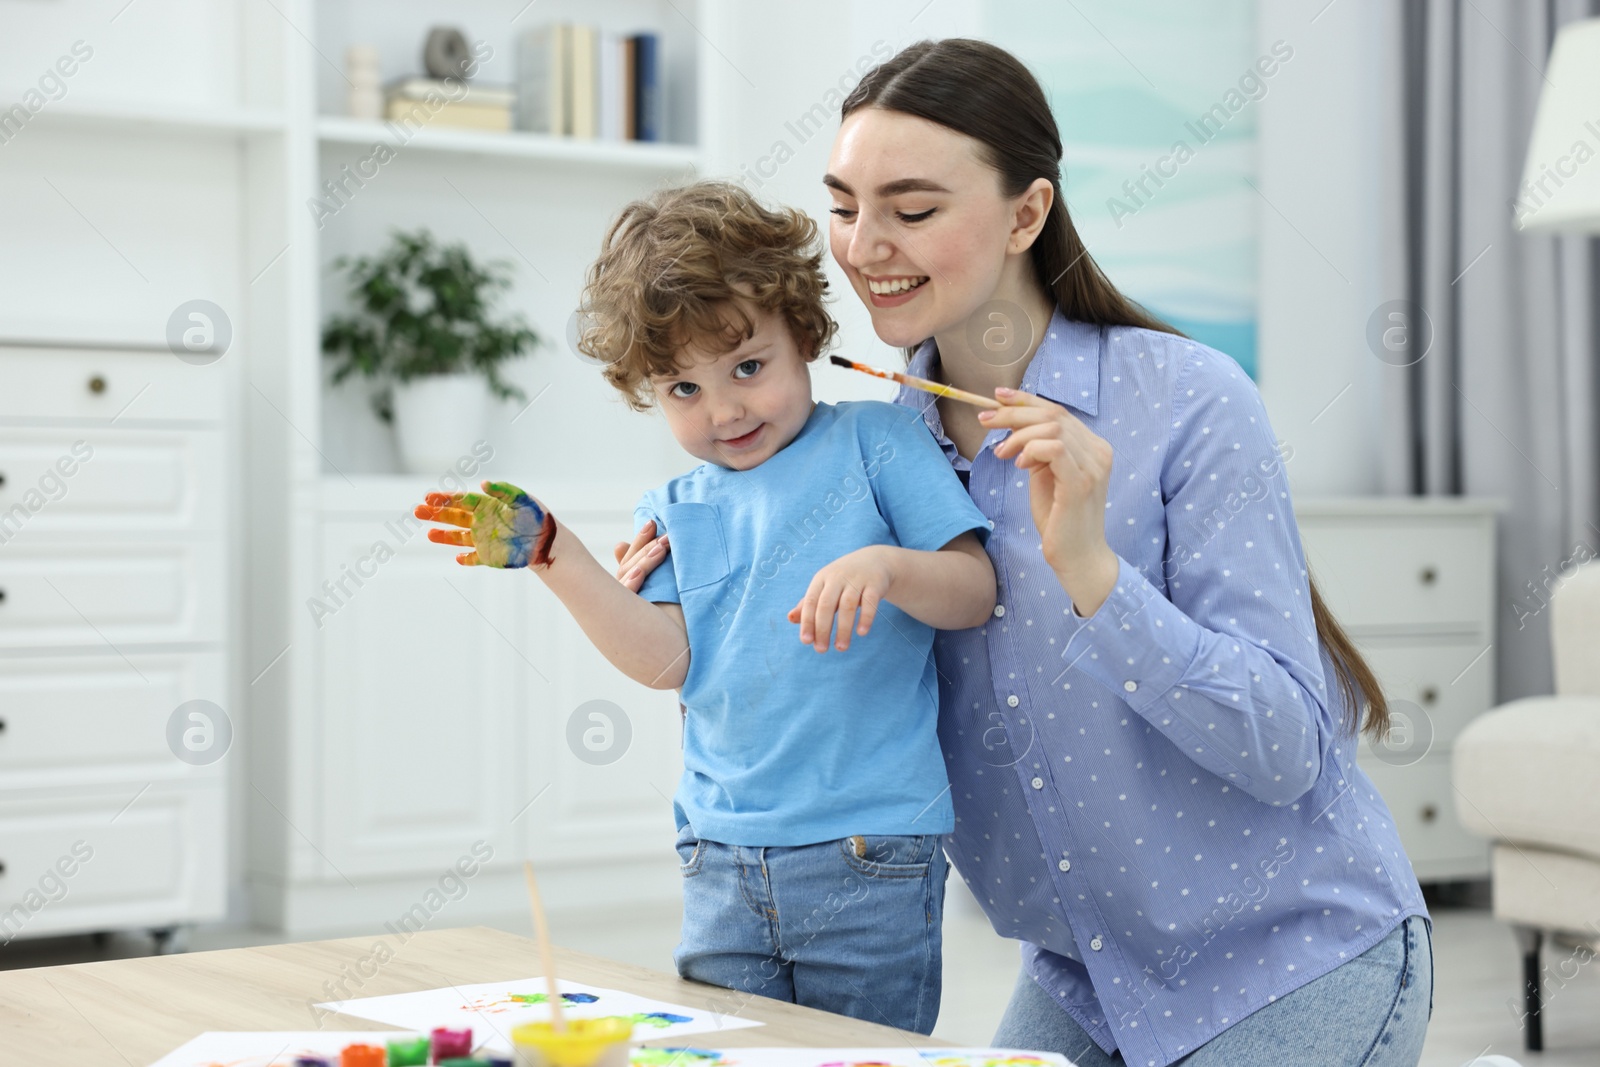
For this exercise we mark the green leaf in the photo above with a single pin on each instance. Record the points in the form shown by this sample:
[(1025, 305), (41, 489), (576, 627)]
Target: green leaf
[(419, 308)]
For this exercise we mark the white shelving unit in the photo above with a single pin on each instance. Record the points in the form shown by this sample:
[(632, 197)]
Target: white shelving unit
[(375, 746), (618, 155), (426, 709)]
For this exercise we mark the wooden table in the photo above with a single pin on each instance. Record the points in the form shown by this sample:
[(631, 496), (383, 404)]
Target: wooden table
[(135, 1011)]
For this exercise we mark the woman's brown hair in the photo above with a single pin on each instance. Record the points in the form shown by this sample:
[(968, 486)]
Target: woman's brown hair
[(985, 92)]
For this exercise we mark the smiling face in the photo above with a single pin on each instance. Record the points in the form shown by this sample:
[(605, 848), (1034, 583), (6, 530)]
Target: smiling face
[(920, 226), (738, 409)]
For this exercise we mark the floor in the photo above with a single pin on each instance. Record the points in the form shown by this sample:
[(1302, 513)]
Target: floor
[(1477, 975)]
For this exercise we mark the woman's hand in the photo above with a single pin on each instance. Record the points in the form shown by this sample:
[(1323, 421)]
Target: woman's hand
[(504, 526), (855, 581), (636, 559), (1069, 470)]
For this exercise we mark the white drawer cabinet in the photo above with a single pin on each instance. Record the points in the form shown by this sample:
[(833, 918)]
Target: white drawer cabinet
[(113, 614), (1412, 581)]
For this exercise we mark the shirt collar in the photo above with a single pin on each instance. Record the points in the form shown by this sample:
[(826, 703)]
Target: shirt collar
[(1065, 368)]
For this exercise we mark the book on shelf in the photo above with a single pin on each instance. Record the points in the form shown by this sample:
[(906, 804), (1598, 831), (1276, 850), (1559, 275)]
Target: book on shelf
[(418, 102), (580, 81)]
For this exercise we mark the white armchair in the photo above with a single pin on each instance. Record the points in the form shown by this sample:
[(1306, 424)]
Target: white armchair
[(1526, 776)]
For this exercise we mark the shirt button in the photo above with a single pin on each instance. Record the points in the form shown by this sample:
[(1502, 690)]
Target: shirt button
[(1037, 783), (999, 610), (1130, 686), (1064, 866), (1012, 701), (1095, 943)]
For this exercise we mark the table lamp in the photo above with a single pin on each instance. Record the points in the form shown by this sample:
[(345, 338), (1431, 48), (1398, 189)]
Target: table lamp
[(1560, 190)]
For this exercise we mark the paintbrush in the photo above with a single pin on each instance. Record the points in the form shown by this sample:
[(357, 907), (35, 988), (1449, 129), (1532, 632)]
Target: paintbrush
[(937, 388), (542, 929)]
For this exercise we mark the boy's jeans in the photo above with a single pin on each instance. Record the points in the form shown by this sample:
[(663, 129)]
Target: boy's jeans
[(849, 926)]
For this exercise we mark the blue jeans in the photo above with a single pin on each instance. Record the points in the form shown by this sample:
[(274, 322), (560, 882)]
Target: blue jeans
[(1368, 1011), (849, 926)]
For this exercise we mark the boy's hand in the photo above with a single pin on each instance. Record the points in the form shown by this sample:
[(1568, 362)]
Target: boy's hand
[(636, 559), (506, 527), (856, 580)]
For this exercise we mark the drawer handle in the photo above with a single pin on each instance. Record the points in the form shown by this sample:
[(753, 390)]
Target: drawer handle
[(97, 385), (1428, 576), (2, 596), (1429, 813), (2, 479), (1430, 695)]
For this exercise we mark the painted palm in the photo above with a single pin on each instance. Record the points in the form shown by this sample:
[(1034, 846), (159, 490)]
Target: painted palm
[(503, 526)]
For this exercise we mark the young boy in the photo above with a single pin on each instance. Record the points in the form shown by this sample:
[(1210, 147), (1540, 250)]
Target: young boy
[(814, 794)]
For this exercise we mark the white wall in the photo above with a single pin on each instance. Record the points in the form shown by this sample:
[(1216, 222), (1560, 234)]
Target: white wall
[(1320, 163), (1320, 221)]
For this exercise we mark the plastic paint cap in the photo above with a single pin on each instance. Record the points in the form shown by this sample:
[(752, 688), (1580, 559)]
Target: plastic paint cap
[(451, 1044), (408, 1052), (361, 1056)]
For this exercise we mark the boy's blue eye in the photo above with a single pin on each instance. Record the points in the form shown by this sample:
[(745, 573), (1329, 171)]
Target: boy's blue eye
[(753, 365), (682, 385)]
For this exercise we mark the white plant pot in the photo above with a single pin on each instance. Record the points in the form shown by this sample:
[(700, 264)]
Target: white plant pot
[(437, 419)]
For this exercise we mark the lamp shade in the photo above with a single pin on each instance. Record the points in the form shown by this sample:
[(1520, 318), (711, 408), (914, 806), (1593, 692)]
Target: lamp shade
[(1560, 190)]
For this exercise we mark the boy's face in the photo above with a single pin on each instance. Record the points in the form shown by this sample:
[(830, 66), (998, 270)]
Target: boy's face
[(738, 409)]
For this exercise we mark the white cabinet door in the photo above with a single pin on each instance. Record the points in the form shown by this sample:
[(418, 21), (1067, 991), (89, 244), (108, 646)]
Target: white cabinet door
[(86, 479), (101, 859), (611, 796), (95, 720), (107, 595), (425, 681)]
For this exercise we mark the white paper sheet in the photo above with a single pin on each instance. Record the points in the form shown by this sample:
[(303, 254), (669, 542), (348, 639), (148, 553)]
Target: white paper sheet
[(493, 1009)]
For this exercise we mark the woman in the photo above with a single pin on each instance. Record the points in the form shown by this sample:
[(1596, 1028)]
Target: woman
[(1155, 785)]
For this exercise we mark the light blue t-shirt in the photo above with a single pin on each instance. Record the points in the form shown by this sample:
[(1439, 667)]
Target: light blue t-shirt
[(784, 745)]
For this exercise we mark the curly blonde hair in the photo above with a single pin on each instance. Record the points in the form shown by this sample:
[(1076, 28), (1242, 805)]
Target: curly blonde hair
[(674, 269)]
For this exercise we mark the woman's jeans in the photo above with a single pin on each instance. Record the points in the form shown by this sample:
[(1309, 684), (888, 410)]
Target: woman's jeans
[(849, 926), (1371, 1011)]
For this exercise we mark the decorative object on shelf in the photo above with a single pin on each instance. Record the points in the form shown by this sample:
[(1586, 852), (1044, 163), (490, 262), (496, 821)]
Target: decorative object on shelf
[(422, 330), (445, 53), (365, 100)]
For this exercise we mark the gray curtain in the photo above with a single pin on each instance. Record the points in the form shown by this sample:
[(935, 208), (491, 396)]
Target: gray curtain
[(1504, 402)]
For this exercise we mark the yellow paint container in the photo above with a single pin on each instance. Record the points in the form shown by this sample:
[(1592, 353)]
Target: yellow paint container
[(602, 1042)]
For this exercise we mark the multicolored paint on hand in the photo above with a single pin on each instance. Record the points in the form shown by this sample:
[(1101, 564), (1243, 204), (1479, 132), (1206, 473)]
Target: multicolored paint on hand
[(503, 525)]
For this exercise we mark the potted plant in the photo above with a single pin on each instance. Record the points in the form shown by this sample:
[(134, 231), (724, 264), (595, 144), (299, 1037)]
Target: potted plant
[(421, 328)]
